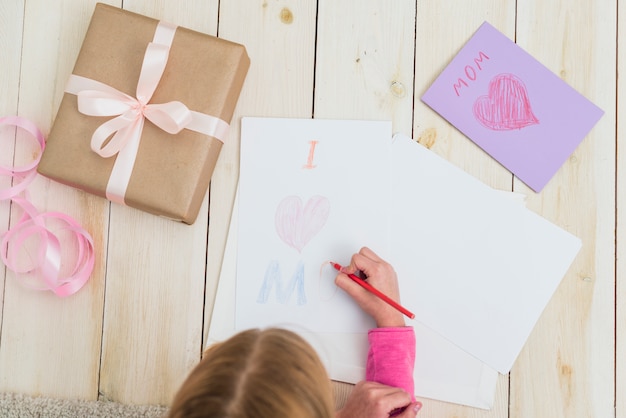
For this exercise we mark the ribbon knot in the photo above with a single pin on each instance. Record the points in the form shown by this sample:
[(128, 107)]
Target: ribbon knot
[(172, 117), (120, 136)]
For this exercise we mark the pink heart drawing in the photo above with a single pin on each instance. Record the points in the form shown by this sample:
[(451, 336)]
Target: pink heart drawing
[(297, 225), (506, 107)]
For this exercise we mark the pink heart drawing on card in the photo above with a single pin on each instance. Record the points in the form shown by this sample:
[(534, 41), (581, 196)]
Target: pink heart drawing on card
[(506, 106), (296, 225)]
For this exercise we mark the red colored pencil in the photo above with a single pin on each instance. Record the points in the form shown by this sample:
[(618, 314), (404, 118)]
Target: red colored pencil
[(376, 292)]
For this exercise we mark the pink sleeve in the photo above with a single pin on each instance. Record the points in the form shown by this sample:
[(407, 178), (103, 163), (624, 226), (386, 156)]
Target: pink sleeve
[(391, 357)]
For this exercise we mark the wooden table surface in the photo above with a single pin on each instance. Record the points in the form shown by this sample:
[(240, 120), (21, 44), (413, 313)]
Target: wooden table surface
[(139, 325)]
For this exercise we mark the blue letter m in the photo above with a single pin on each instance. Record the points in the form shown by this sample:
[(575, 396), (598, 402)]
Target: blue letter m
[(273, 279)]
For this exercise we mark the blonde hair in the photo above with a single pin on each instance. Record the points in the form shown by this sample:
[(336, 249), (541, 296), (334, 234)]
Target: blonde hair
[(271, 373)]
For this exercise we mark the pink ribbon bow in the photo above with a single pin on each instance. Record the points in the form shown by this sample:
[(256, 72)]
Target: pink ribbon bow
[(32, 250), (98, 99)]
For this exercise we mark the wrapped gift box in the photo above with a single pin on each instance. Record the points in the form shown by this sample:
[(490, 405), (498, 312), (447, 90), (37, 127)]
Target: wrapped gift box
[(167, 174)]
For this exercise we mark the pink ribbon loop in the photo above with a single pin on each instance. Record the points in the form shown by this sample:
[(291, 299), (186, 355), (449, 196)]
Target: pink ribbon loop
[(120, 136), (172, 117), (123, 128), (24, 175), (30, 248)]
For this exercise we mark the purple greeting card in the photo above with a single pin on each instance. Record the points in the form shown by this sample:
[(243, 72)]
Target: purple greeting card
[(512, 106)]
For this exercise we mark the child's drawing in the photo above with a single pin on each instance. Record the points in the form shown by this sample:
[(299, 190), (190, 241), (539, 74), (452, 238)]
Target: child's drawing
[(487, 91), (300, 203), (296, 225), (506, 106)]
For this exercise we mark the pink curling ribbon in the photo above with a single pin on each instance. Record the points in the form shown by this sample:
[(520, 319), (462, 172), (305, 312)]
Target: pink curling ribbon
[(98, 99), (32, 250)]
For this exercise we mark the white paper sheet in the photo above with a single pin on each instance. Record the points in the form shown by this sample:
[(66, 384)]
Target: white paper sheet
[(476, 267), (311, 191)]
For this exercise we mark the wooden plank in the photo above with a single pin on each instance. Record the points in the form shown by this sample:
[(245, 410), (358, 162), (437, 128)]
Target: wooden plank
[(11, 22), (620, 303), (280, 40), (442, 30), (46, 339), (364, 68), (567, 366), (155, 277)]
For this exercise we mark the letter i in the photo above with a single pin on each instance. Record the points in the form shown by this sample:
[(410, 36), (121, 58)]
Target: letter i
[(309, 162)]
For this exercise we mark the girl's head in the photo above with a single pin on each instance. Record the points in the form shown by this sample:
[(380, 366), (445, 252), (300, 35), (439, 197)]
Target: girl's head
[(257, 373)]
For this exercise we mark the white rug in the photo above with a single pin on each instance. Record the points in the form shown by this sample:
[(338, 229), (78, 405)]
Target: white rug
[(22, 406)]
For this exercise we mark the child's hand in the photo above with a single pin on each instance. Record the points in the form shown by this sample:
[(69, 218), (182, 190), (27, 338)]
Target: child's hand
[(375, 400), (382, 276)]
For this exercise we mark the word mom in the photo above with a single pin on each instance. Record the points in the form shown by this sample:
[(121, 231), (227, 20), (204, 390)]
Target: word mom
[(470, 73)]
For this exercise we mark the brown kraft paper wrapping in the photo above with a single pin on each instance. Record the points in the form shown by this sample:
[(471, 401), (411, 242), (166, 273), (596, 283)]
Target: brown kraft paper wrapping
[(171, 173)]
